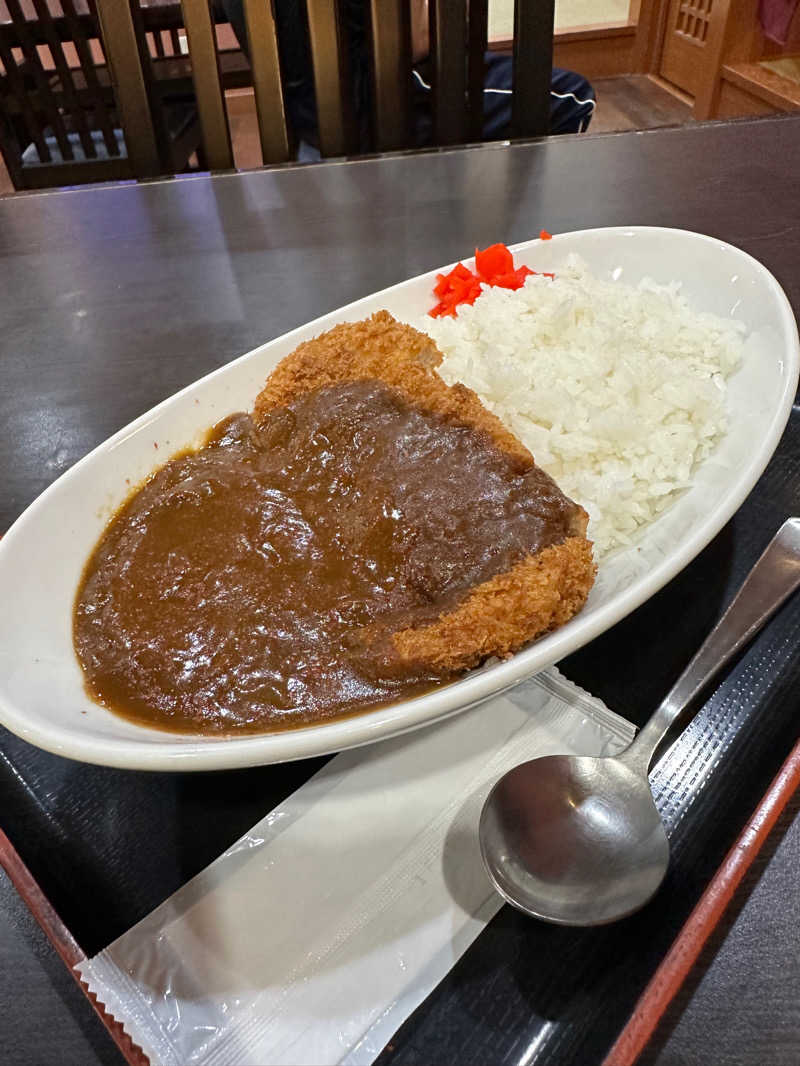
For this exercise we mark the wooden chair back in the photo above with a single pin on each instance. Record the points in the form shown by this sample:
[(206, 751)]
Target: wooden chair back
[(458, 31), (75, 95), (79, 101)]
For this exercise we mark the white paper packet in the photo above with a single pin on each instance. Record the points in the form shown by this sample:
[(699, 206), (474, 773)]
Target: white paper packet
[(318, 933)]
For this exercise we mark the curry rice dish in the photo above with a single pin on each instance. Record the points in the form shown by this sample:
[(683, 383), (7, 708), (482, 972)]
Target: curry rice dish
[(367, 533)]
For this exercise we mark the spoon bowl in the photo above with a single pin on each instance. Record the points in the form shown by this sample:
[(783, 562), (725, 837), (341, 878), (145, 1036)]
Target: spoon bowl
[(578, 840), (573, 839)]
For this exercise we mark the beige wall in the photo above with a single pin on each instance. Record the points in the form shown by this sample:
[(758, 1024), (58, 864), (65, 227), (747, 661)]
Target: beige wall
[(568, 13)]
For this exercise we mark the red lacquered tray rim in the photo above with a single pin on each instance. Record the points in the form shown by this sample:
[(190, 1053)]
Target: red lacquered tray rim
[(656, 997), (706, 916), (67, 948)]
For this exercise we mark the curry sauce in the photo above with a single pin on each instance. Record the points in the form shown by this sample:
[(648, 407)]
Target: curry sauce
[(256, 583)]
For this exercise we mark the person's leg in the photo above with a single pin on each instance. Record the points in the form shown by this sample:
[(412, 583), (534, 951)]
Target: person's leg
[(422, 104), (496, 99), (572, 99), (572, 102), (497, 87)]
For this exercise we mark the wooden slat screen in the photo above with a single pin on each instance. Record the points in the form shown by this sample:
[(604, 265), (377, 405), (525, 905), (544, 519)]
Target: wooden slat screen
[(391, 60), (34, 68), (331, 77), (208, 88), (19, 90), (478, 29), (76, 111), (533, 65), (449, 54), (80, 38), (264, 60), (122, 51)]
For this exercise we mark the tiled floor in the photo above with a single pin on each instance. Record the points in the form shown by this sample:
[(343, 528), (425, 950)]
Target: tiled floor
[(634, 102)]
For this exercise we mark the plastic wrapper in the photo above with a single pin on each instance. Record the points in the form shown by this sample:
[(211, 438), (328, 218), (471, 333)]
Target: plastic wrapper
[(316, 935)]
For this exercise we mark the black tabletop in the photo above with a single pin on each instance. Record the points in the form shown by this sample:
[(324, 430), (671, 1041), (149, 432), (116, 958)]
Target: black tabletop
[(113, 298)]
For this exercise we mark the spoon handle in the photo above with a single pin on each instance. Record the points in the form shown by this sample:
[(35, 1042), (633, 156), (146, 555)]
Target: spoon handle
[(772, 580)]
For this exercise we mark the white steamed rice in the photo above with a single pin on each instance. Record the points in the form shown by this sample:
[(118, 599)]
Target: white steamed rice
[(618, 391)]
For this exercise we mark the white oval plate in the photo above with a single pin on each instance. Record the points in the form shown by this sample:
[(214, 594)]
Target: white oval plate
[(42, 698)]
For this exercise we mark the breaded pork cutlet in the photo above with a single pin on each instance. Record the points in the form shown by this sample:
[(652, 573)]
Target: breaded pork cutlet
[(495, 618)]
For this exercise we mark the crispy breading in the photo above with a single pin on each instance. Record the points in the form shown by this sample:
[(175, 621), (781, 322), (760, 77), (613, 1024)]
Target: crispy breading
[(499, 616), (380, 348)]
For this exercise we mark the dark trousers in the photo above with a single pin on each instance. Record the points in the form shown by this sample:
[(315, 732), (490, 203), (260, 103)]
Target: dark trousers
[(572, 100)]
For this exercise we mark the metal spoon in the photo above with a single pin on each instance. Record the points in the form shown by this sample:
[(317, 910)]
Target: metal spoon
[(579, 841)]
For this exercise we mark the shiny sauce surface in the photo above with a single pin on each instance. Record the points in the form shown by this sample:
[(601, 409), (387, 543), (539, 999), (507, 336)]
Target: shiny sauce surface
[(255, 584)]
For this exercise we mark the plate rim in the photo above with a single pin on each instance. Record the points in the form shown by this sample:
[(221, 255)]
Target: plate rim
[(176, 753)]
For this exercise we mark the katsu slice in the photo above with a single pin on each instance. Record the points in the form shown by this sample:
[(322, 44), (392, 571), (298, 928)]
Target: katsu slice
[(495, 617), (382, 349)]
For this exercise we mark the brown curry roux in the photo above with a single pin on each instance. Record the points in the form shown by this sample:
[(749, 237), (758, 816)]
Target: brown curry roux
[(255, 584)]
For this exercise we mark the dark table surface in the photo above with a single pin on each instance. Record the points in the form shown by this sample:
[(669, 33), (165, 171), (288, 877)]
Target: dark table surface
[(113, 298)]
